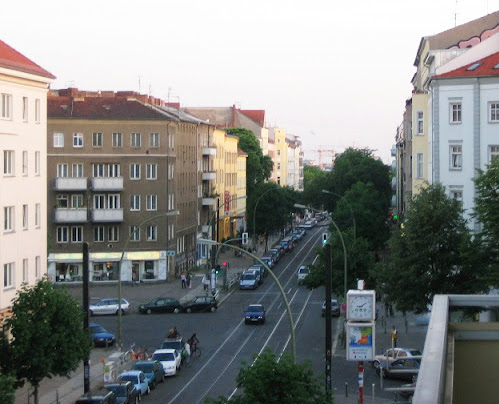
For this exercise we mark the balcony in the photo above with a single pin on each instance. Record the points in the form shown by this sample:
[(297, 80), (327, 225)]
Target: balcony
[(209, 151), (107, 183), (209, 201), (70, 184), (209, 175), (65, 215), (107, 215)]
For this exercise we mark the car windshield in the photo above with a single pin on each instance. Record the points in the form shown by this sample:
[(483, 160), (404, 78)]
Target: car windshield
[(171, 345), (129, 378), (145, 367), (303, 270), (119, 391), (167, 356), (248, 277), (415, 352), (254, 308), (97, 329)]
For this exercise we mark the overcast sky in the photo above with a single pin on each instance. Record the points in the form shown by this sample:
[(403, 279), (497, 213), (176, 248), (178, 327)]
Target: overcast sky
[(335, 73)]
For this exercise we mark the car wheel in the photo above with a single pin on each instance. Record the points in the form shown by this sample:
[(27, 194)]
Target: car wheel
[(176, 310), (148, 311), (139, 397), (188, 310), (213, 309), (148, 389), (376, 364)]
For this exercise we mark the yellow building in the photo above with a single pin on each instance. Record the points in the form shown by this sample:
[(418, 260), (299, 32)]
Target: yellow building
[(277, 137)]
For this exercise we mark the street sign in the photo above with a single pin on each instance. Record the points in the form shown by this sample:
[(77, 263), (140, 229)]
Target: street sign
[(170, 253)]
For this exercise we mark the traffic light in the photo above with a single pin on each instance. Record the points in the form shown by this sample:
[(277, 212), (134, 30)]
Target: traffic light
[(217, 269), (245, 238), (324, 238)]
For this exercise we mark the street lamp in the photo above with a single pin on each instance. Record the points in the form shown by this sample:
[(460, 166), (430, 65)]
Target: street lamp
[(170, 213), (352, 213), (274, 277)]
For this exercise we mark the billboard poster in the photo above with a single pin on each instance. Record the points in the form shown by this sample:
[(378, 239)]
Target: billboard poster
[(360, 341)]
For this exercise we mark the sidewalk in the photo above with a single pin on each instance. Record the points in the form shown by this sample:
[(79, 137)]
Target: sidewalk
[(68, 390)]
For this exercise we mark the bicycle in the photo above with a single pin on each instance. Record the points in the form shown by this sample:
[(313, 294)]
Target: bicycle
[(196, 350), (139, 354)]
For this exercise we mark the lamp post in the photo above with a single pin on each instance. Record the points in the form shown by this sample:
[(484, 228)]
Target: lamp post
[(352, 213), (254, 213), (276, 280), (171, 213)]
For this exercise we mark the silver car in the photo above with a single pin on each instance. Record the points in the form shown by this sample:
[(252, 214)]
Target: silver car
[(108, 306)]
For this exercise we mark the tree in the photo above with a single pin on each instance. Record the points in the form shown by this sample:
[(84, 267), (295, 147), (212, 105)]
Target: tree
[(48, 338), (269, 380), (314, 181), (431, 254), (7, 390)]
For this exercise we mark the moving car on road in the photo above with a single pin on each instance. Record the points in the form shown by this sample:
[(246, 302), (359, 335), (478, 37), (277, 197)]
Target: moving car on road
[(302, 274), (335, 308), (108, 306), (201, 304), (255, 313), (100, 336), (169, 359), (248, 281), (161, 305)]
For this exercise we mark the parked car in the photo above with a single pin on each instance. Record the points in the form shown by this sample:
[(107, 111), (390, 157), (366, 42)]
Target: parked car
[(201, 304), (267, 260), (393, 354), (335, 308), (100, 336), (254, 313), (153, 371), (173, 343), (139, 380), (409, 366), (302, 273), (248, 281), (258, 273), (169, 359), (108, 306), (98, 397), (161, 305), (275, 253), (125, 392)]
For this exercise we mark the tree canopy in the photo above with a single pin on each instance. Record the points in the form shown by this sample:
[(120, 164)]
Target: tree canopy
[(48, 338), (271, 381)]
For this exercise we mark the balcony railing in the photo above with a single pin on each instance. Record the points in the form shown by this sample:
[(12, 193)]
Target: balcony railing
[(209, 175), (66, 215), (107, 183), (208, 201), (107, 215), (70, 184), (209, 151)]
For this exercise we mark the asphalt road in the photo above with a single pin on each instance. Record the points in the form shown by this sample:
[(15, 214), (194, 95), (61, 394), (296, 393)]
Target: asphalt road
[(226, 341)]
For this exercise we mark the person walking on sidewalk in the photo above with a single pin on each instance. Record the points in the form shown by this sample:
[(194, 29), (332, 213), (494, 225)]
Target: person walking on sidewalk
[(189, 279), (395, 336), (186, 354), (205, 282), (183, 279)]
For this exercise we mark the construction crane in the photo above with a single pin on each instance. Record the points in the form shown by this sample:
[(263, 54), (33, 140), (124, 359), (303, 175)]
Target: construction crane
[(325, 155)]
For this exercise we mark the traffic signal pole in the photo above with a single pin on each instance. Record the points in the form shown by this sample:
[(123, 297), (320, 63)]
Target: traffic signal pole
[(327, 314)]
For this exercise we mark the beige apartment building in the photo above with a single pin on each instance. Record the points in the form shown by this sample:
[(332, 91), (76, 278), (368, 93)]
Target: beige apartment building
[(23, 191)]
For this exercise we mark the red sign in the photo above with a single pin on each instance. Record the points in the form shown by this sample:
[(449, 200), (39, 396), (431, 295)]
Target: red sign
[(227, 200)]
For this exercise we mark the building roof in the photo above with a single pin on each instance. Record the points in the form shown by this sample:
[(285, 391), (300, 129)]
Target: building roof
[(228, 117), (488, 66), (12, 59)]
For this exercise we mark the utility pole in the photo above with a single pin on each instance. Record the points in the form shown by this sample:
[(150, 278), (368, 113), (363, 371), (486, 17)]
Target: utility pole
[(327, 314), (86, 361)]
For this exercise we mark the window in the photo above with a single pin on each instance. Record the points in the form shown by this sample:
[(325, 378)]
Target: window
[(117, 140), (37, 110), (134, 202), (493, 153), (113, 233), (494, 111), (6, 112), (77, 170), (62, 201), (113, 170), (25, 162), (134, 233), (25, 270), (113, 201), (77, 139), (25, 217), (135, 171), (97, 140), (8, 275), (456, 157), (8, 162), (25, 109), (457, 194), (171, 201), (37, 163), (455, 112), (152, 233), (98, 170), (278, 152), (99, 201), (135, 140), (419, 165), (77, 201), (278, 166), (152, 171), (420, 123), (37, 215), (171, 141), (171, 171), (8, 218), (99, 234), (37, 267), (77, 234), (62, 171), (152, 202), (154, 140), (62, 234)]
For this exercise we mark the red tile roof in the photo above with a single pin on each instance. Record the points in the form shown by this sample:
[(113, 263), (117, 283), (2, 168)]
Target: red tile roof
[(257, 115), (486, 68), (12, 59)]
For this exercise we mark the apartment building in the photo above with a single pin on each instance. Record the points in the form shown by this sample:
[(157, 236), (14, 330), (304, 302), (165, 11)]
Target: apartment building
[(122, 176), (23, 192), (295, 162)]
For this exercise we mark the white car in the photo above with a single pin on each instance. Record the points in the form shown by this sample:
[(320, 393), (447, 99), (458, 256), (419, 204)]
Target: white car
[(393, 354), (302, 273), (169, 359), (108, 306)]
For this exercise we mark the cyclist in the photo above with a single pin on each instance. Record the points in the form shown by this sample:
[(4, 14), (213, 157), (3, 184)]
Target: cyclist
[(193, 342), (173, 333)]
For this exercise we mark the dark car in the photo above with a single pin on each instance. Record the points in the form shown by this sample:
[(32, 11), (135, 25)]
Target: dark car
[(153, 371), (201, 304), (173, 343), (100, 336), (275, 253), (125, 392), (335, 308), (248, 281), (267, 259), (408, 366), (161, 305), (255, 313), (97, 397)]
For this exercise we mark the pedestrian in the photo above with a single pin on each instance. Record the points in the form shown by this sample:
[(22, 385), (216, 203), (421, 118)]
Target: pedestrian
[(395, 336), (173, 333), (189, 280), (183, 279), (186, 354), (134, 279), (206, 282)]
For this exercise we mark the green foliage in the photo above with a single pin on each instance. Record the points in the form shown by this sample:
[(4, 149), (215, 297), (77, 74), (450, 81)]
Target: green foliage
[(272, 381), (314, 181), (48, 338), (431, 254), (7, 390)]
